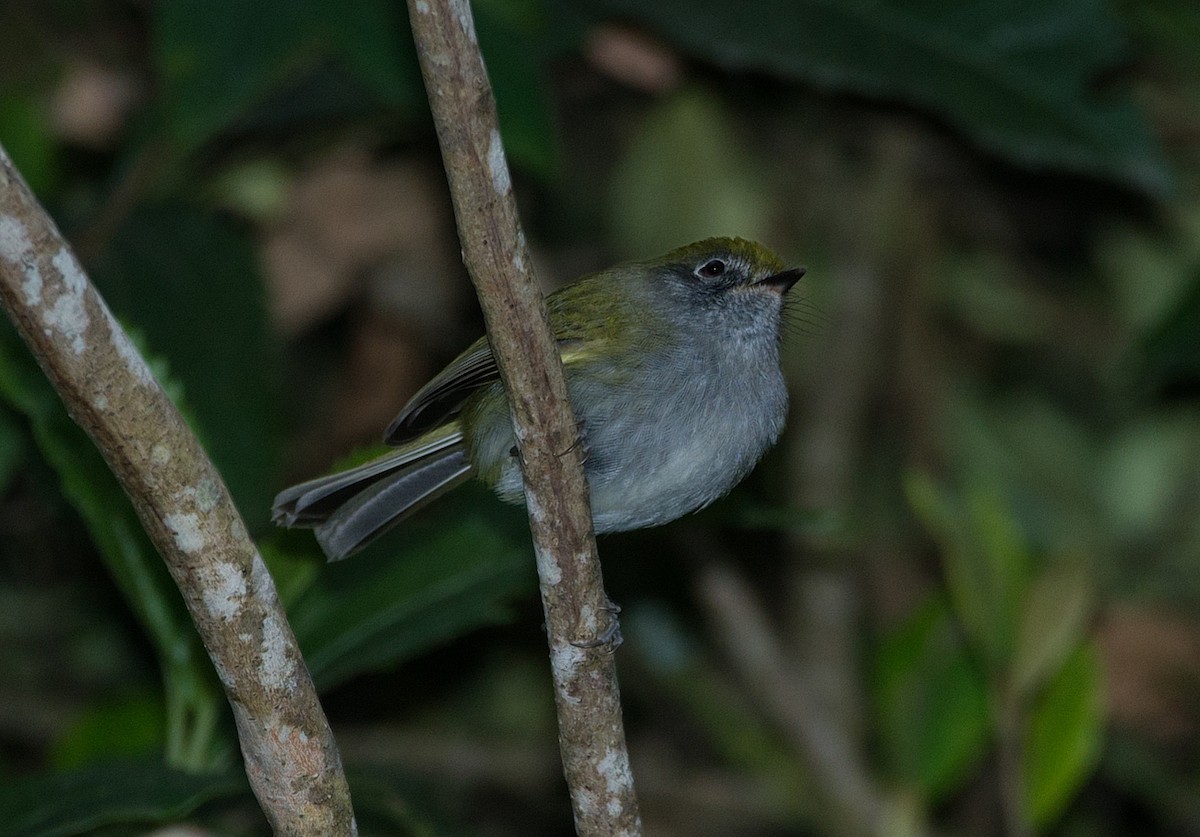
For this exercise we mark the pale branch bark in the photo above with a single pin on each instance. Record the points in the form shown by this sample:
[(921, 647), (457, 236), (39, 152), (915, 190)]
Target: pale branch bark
[(291, 758), (591, 731)]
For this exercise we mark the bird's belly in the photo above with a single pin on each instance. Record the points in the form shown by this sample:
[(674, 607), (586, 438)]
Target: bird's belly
[(646, 477), (680, 445), (667, 448)]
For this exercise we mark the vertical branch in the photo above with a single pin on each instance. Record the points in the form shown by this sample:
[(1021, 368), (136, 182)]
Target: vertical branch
[(291, 758), (591, 731)]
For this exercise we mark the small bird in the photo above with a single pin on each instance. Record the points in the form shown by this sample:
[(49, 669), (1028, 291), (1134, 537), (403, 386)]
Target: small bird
[(673, 370)]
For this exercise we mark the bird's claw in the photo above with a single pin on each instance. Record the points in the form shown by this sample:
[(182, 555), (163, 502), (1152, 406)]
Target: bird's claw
[(580, 441), (610, 637)]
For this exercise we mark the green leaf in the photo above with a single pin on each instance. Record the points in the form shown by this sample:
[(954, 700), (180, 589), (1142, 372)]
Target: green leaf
[(230, 63), (28, 135), (433, 580), (1035, 454), (1053, 623), (931, 702), (1149, 274), (1171, 27), (1000, 566), (188, 280), (1171, 349), (220, 58), (62, 804), (293, 570), (12, 448), (193, 698), (510, 46), (1064, 738), (685, 177), (392, 802), (1147, 471), (1018, 77), (985, 559), (133, 726)]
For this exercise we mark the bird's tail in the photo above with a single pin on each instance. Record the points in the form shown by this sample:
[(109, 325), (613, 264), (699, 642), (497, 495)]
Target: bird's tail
[(350, 509)]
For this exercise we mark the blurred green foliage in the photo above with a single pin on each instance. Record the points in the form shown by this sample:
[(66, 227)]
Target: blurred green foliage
[(219, 61), (191, 691), (108, 794), (440, 584), (176, 271), (1019, 436), (931, 702), (1018, 77), (1023, 660), (657, 198)]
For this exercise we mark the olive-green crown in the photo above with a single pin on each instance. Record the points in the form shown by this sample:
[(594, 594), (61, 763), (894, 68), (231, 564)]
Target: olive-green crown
[(751, 253)]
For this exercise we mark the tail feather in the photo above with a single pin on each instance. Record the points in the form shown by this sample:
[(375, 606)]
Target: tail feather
[(350, 509), (386, 502)]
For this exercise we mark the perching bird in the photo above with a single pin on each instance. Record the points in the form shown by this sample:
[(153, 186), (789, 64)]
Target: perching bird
[(673, 370)]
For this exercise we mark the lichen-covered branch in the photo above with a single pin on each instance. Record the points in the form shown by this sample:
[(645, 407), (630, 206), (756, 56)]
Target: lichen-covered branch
[(291, 758), (591, 732)]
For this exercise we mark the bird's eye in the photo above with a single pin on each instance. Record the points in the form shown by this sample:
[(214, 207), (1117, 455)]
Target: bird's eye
[(711, 269)]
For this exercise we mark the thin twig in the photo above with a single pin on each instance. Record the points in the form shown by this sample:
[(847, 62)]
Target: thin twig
[(591, 731), (1010, 754), (851, 802), (291, 758)]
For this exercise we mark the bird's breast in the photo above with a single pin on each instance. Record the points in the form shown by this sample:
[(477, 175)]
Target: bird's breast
[(689, 430)]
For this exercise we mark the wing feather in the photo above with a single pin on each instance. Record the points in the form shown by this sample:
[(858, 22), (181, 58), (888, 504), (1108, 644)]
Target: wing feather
[(442, 398)]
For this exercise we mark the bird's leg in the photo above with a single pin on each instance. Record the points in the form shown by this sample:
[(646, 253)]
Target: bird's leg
[(610, 636), (580, 440)]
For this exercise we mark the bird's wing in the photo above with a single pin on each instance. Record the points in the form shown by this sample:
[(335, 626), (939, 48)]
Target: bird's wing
[(442, 398)]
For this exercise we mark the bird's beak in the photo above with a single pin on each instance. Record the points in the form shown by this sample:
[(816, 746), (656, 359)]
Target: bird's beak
[(783, 281)]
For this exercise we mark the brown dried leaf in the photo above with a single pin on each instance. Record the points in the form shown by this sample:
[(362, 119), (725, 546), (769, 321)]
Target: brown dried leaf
[(1152, 667), (347, 214)]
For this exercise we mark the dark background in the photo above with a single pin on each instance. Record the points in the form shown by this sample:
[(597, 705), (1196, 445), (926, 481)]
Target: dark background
[(971, 563)]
